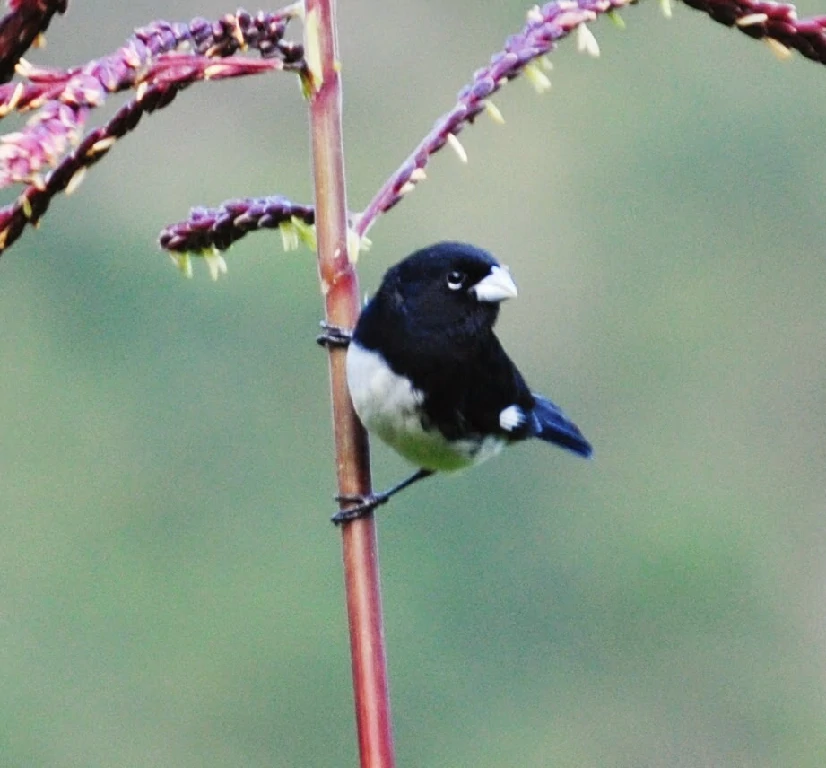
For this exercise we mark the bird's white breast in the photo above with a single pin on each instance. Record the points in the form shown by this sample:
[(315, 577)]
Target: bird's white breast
[(380, 396), (391, 407)]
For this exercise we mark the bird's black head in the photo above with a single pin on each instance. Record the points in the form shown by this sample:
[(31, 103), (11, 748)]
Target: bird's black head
[(448, 288), (436, 308)]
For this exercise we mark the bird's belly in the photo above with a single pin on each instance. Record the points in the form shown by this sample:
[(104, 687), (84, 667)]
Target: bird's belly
[(391, 407), (430, 450)]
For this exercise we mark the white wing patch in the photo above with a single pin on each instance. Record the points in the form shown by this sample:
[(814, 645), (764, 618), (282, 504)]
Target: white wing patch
[(511, 418)]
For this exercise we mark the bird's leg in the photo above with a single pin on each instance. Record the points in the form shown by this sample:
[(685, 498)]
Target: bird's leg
[(334, 336), (366, 504)]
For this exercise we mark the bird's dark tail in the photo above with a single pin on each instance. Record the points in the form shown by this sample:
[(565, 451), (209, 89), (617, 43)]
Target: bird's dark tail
[(552, 425)]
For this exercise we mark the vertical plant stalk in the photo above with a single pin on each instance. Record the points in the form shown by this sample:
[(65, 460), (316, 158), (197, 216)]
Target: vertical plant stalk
[(339, 284)]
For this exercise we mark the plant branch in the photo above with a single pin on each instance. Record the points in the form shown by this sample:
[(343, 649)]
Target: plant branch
[(776, 23), (161, 54), (21, 28), (34, 201), (218, 228), (159, 61), (339, 284)]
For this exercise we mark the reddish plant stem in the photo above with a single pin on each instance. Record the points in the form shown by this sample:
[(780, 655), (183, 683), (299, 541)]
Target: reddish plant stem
[(339, 284)]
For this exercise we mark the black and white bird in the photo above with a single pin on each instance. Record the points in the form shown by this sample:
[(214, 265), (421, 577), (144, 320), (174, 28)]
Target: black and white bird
[(428, 376)]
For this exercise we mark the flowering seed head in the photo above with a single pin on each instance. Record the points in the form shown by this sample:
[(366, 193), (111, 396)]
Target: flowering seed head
[(778, 49), (355, 245), (534, 15), (218, 228), (312, 48), (14, 100), (239, 36), (23, 27), (24, 68), (289, 236), (132, 58), (215, 263), (457, 147), (102, 146), (306, 232), (537, 78), (164, 56), (618, 21), (586, 42), (493, 112), (182, 262), (75, 181), (751, 18)]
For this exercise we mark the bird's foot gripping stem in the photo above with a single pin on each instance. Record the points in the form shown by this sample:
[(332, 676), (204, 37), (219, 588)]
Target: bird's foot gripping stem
[(364, 505), (334, 336)]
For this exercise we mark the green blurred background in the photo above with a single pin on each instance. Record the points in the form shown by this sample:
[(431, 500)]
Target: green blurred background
[(171, 588)]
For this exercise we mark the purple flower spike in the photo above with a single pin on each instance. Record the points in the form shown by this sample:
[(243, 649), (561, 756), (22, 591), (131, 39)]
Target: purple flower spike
[(544, 28), (774, 22), (21, 27), (208, 230), (777, 23), (158, 62)]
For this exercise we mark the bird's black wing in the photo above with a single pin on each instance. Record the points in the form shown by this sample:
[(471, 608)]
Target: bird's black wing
[(466, 392), (486, 394)]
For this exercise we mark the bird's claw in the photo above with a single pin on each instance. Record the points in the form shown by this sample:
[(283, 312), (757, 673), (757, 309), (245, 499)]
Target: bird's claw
[(333, 336), (364, 505)]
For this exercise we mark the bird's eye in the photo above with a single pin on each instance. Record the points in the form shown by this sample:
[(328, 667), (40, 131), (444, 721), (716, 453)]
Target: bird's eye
[(456, 279)]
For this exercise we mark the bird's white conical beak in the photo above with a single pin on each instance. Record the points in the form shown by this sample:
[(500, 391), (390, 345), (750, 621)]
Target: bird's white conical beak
[(497, 286)]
